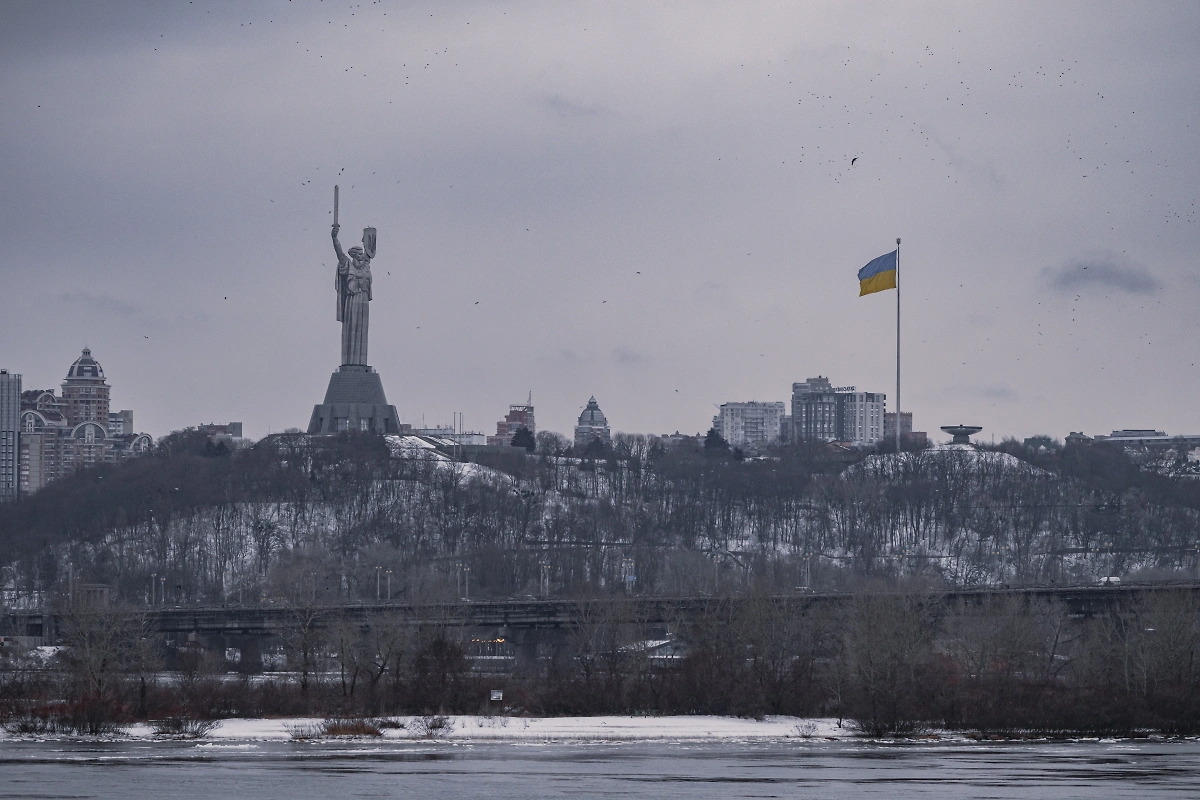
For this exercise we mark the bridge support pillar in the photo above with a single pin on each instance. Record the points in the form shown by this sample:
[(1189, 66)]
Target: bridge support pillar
[(251, 647), (526, 653)]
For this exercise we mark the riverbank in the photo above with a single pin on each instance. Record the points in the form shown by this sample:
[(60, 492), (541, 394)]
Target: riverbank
[(468, 728)]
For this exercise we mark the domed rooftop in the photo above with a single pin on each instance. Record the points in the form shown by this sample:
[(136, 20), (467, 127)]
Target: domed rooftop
[(86, 367), (592, 415)]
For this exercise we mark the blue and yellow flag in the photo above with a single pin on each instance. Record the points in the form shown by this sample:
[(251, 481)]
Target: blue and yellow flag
[(880, 274)]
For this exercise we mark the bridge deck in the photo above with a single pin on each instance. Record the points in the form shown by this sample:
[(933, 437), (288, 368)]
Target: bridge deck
[(556, 613)]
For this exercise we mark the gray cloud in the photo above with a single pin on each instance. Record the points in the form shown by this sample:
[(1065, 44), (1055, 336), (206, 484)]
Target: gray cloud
[(990, 391), (1102, 271), (566, 357), (102, 303), (996, 391), (565, 108), (625, 355)]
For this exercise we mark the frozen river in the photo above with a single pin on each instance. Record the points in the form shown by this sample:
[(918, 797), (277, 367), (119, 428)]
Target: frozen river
[(150, 770)]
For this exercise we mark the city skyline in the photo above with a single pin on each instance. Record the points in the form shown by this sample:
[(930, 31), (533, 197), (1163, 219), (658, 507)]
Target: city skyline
[(658, 209)]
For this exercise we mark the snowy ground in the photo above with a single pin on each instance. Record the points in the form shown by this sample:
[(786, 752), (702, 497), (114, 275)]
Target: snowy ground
[(553, 729)]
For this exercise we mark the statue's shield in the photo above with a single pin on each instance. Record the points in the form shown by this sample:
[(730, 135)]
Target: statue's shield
[(369, 242)]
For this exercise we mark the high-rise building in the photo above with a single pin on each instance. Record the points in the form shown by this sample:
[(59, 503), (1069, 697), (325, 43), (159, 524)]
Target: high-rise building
[(861, 416), (120, 422), (10, 420), (60, 434), (85, 392), (889, 424), (592, 425), (43, 431), (518, 416), (907, 435), (750, 424), (814, 410), (824, 412)]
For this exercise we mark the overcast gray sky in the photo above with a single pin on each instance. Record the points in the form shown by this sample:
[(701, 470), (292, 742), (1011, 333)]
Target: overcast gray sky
[(652, 203)]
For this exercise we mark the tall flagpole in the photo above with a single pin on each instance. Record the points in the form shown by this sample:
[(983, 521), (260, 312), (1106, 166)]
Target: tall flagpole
[(897, 344)]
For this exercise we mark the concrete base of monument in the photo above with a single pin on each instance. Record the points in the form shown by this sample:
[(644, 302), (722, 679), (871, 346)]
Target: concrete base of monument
[(354, 401)]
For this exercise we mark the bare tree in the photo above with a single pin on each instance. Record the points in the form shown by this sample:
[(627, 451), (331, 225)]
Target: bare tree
[(886, 660), (371, 648), (1166, 658), (100, 648), (785, 647)]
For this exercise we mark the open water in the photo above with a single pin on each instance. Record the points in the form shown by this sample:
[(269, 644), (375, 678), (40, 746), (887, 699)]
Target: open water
[(300, 771)]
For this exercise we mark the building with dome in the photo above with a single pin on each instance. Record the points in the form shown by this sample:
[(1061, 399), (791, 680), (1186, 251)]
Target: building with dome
[(58, 434), (592, 425)]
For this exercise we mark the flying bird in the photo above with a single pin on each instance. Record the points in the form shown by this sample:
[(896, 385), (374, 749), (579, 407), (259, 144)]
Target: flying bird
[(853, 160)]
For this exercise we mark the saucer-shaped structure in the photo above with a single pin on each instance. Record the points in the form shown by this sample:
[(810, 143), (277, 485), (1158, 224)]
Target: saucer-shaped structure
[(962, 433)]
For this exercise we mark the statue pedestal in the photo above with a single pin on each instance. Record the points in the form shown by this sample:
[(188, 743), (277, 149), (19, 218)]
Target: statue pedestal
[(354, 401)]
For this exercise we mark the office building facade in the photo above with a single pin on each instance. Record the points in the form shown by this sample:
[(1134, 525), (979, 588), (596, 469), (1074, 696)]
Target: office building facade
[(889, 424), (120, 423), (814, 410), (518, 416), (861, 416), (827, 413), (751, 424), (10, 420)]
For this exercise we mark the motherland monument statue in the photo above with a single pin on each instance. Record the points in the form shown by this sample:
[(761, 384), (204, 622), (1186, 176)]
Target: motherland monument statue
[(355, 400)]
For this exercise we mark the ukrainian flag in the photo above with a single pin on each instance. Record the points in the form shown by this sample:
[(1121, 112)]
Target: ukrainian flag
[(880, 274)]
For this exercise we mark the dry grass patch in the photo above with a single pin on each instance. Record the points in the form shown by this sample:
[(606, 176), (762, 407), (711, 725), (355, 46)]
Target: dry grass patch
[(351, 726)]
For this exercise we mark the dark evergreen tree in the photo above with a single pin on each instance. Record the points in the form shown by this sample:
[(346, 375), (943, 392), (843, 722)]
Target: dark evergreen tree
[(524, 438), (714, 443)]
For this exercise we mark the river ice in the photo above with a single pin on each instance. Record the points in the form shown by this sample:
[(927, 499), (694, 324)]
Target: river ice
[(274, 767)]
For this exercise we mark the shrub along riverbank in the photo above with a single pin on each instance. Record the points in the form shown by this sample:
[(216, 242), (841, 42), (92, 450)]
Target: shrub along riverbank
[(886, 663)]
